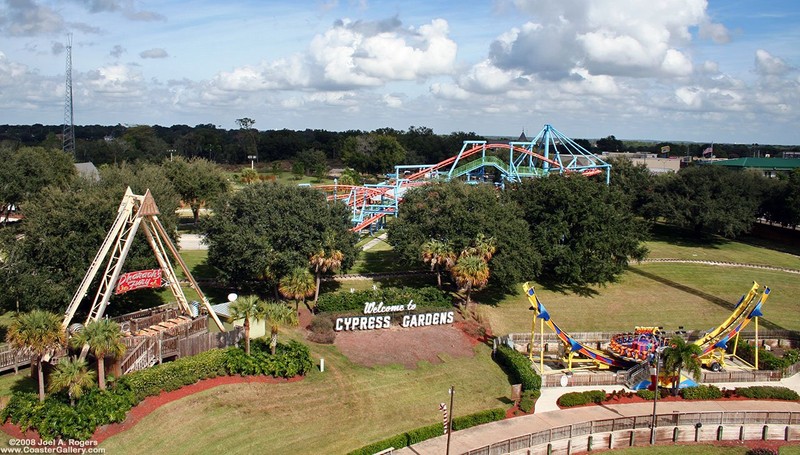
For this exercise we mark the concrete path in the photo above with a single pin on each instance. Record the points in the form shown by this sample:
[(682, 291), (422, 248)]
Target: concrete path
[(191, 242), (368, 246), (547, 416)]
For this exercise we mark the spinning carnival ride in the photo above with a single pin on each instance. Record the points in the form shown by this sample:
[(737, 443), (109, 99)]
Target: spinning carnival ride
[(549, 152), (628, 350)]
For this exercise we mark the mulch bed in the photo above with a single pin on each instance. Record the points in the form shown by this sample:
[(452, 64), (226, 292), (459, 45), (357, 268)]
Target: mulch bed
[(150, 404), (403, 346)]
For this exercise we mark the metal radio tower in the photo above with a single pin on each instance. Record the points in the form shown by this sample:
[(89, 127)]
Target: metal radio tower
[(68, 134)]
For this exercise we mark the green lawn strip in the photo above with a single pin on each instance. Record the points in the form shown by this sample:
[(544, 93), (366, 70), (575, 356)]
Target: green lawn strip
[(344, 408), (670, 295), (670, 242)]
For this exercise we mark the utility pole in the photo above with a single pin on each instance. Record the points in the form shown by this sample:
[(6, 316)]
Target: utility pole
[(68, 133), (450, 418)]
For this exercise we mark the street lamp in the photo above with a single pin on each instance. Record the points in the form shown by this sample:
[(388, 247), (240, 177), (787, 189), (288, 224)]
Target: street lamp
[(659, 350), (450, 418)]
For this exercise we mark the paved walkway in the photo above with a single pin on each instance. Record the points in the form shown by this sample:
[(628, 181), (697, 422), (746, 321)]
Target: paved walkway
[(547, 416)]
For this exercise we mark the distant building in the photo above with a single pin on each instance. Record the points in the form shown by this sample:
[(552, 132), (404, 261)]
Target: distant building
[(87, 171), (770, 167), (650, 160)]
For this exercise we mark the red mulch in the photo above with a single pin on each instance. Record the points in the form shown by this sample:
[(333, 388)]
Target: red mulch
[(405, 346), (150, 404)]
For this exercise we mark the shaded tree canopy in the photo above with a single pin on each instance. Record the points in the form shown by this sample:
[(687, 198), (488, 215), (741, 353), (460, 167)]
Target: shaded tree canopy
[(709, 199), (197, 180), (265, 230), (582, 228), (63, 230), (373, 153), (24, 171), (456, 213)]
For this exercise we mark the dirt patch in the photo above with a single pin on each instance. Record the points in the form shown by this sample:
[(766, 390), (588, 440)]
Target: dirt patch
[(398, 345)]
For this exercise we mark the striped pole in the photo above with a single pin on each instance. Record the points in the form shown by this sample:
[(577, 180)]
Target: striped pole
[(443, 408)]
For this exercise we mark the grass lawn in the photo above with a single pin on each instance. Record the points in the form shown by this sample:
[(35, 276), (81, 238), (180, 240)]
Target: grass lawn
[(681, 450), (339, 410), (670, 295)]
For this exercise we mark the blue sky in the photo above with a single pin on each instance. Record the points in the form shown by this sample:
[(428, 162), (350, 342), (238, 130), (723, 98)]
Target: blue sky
[(696, 70)]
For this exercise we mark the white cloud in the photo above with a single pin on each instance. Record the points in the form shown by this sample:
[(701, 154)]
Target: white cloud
[(392, 101), (769, 65), (156, 52), (116, 80)]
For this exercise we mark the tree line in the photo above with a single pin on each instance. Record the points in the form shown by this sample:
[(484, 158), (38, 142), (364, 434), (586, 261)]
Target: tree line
[(113, 144), (279, 240)]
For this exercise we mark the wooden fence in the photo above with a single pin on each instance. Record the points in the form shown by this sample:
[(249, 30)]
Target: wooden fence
[(623, 432), (202, 342)]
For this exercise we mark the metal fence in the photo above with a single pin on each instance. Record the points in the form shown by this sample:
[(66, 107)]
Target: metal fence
[(672, 427)]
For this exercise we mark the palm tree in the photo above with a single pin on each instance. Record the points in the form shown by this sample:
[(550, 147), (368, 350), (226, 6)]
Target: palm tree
[(297, 285), (71, 374), (247, 307), (37, 332), (485, 247), (277, 315), (323, 262), (104, 337), (680, 355), (470, 273), (440, 256)]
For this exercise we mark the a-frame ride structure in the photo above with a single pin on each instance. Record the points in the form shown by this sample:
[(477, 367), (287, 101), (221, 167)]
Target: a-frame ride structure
[(135, 212)]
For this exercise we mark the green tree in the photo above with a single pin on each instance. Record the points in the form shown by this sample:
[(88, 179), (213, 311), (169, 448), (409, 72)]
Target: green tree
[(104, 338), (73, 375), (297, 285), (440, 256), (37, 332), (247, 308), (275, 228), (314, 161), (634, 181), (142, 143), (25, 171), (680, 355), (373, 153), (710, 199), (583, 228), (64, 228), (323, 262), (248, 135), (198, 181), (277, 316), (471, 273), (456, 213)]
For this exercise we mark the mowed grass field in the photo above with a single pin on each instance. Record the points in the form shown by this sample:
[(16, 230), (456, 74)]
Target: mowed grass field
[(339, 410)]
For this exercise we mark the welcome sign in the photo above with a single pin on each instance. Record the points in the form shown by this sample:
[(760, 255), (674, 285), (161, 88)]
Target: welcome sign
[(375, 317)]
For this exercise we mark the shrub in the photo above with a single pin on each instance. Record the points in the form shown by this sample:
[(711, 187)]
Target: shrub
[(322, 330), (518, 366), (701, 392), (761, 451), (174, 375), (526, 404), (792, 356), (571, 399), (479, 418), (768, 393), (431, 431), (342, 302), (649, 394), (766, 359)]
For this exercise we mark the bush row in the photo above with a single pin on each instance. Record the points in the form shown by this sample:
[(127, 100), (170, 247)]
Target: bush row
[(766, 359), (341, 302), (518, 366), (701, 392), (571, 399), (55, 418), (768, 393), (431, 431)]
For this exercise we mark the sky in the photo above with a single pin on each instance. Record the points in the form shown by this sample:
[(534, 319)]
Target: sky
[(724, 71)]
